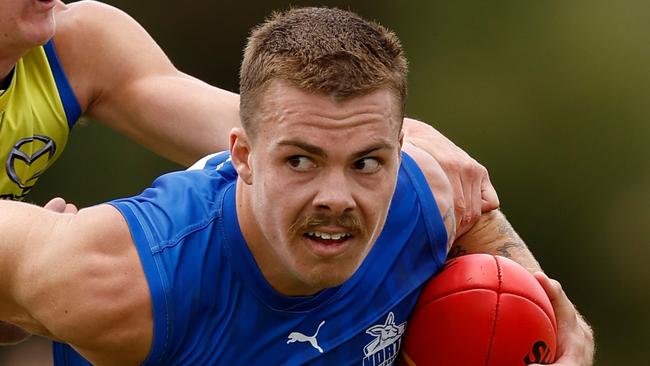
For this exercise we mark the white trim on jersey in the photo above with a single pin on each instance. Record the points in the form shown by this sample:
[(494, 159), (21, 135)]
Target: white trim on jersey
[(200, 164)]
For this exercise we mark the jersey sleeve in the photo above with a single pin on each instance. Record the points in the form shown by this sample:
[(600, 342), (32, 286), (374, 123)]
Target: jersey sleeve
[(433, 223), (172, 224)]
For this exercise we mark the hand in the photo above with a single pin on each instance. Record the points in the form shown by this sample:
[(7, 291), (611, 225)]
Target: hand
[(575, 339), (473, 191), (59, 205)]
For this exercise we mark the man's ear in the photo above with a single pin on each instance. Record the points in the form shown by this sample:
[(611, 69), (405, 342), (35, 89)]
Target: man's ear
[(240, 153)]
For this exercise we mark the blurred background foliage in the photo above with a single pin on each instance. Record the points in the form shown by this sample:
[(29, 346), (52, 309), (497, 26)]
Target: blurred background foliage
[(552, 96)]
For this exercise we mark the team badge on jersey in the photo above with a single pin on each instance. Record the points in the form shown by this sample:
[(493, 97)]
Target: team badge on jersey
[(27, 160), (384, 349)]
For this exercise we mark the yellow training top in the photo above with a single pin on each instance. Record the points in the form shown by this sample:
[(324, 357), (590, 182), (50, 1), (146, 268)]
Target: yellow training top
[(37, 111)]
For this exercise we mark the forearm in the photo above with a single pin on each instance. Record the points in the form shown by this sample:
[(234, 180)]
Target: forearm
[(493, 234), (175, 116)]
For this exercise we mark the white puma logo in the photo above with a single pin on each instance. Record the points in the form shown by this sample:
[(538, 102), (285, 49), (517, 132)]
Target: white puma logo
[(299, 337)]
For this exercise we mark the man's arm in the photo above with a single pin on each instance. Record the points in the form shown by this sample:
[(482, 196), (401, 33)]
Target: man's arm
[(11, 334), (470, 181), (75, 278), (123, 79), (493, 234)]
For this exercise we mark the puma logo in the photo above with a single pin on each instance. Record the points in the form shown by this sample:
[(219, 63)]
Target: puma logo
[(299, 337)]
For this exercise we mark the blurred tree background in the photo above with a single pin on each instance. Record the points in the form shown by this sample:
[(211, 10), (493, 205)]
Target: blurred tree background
[(552, 96)]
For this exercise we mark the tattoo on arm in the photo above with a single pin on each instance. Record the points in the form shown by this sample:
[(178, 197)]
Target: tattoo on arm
[(503, 249), (456, 251), (449, 218), (513, 240)]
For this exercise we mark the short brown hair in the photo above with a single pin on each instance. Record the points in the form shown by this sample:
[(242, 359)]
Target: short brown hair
[(324, 50)]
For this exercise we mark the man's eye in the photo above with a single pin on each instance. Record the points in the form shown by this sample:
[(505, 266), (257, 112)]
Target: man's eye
[(367, 165), (300, 163)]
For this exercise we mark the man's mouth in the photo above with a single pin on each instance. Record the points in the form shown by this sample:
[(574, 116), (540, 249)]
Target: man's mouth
[(328, 244), (326, 238)]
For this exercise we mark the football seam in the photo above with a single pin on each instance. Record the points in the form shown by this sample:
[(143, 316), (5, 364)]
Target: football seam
[(495, 319), (498, 290), (457, 290)]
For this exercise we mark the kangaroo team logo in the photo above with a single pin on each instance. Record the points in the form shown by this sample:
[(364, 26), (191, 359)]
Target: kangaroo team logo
[(384, 349), (299, 337), (39, 146)]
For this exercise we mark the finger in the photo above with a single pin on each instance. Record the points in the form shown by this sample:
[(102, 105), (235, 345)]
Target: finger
[(565, 312), (56, 204), (70, 209), (474, 203), (575, 340), (489, 197)]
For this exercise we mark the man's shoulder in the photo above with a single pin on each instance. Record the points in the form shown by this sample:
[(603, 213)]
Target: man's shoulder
[(86, 32), (436, 179), (75, 19), (432, 181), (196, 187), (180, 201)]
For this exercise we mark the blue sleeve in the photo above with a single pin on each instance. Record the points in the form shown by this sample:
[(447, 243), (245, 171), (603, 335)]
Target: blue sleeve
[(170, 224), (174, 225), (155, 218), (166, 222)]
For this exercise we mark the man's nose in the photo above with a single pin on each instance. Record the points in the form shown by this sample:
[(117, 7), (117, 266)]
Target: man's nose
[(334, 193)]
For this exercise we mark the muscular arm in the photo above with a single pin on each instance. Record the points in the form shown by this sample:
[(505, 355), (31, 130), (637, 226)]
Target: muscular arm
[(493, 234), (75, 278), (124, 80)]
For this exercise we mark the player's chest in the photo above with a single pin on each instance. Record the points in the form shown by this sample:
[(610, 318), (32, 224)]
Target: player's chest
[(364, 334)]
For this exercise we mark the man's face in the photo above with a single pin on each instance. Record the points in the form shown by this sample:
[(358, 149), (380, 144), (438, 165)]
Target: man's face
[(26, 23), (320, 175)]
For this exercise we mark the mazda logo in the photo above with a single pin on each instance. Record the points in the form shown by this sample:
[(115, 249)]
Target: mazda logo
[(48, 148)]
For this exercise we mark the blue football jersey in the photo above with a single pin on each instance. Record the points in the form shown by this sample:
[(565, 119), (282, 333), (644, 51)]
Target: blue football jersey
[(213, 306)]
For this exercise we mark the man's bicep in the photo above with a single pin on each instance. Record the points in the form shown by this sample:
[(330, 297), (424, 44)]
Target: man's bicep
[(138, 91), (439, 186), (89, 289)]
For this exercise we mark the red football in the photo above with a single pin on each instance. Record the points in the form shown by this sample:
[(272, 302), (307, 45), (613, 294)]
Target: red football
[(481, 310)]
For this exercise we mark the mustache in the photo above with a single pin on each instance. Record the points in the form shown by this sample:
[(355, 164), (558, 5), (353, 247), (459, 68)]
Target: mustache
[(308, 223)]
